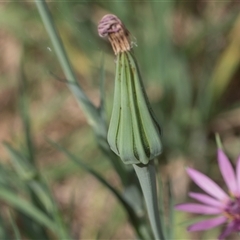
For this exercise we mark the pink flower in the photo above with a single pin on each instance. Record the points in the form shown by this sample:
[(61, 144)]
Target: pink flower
[(216, 201)]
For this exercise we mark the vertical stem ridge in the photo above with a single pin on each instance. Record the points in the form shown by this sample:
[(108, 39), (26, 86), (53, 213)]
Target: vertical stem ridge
[(147, 178)]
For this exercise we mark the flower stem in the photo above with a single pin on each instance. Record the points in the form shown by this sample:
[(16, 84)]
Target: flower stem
[(89, 109), (92, 113), (147, 178)]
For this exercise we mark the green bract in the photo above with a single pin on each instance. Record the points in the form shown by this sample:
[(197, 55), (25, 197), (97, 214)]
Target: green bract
[(133, 132)]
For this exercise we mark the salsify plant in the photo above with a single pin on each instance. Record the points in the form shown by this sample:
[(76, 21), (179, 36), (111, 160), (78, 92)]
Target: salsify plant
[(136, 139), (133, 134), (216, 201)]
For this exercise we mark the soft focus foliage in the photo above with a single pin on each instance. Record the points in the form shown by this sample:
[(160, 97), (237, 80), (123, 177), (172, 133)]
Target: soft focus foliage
[(188, 54)]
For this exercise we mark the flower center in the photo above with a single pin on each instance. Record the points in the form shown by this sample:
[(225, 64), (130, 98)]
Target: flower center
[(232, 211)]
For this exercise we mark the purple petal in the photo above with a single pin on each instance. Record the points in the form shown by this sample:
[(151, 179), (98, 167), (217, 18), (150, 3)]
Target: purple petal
[(206, 199), (229, 229), (207, 184), (198, 208), (238, 173), (207, 224), (227, 172)]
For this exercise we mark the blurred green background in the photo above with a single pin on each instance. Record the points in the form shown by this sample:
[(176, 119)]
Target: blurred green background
[(188, 54)]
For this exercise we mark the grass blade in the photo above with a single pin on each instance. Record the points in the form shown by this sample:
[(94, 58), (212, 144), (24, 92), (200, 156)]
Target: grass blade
[(87, 106), (23, 106), (94, 115), (20, 163), (27, 208), (134, 219), (16, 231)]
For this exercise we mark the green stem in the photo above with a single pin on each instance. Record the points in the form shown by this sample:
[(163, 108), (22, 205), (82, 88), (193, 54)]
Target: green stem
[(90, 110), (92, 113), (147, 178)]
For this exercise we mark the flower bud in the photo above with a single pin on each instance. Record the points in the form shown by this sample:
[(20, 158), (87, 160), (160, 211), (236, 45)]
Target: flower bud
[(110, 26), (133, 132)]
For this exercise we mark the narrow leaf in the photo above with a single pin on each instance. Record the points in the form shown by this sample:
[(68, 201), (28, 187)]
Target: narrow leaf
[(16, 231), (136, 222), (27, 208)]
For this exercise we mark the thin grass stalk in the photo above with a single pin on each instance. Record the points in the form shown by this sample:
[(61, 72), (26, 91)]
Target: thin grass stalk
[(39, 192), (89, 109), (27, 208), (93, 114), (14, 226), (136, 221), (23, 107)]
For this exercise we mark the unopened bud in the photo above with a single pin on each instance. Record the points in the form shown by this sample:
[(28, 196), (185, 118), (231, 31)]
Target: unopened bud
[(110, 26), (133, 132)]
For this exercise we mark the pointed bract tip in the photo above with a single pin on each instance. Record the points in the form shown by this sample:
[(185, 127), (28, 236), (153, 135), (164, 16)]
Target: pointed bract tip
[(218, 141)]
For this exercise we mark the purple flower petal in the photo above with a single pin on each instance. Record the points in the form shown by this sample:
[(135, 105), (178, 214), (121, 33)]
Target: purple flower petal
[(207, 224), (206, 199), (227, 172), (198, 208), (238, 174), (207, 184), (229, 229)]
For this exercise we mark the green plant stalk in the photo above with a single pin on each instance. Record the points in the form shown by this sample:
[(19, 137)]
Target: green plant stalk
[(14, 226), (134, 134), (27, 208), (23, 107), (170, 234), (93, 114), (86, 104), (38, 189), (136, 221), (147, 178)]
